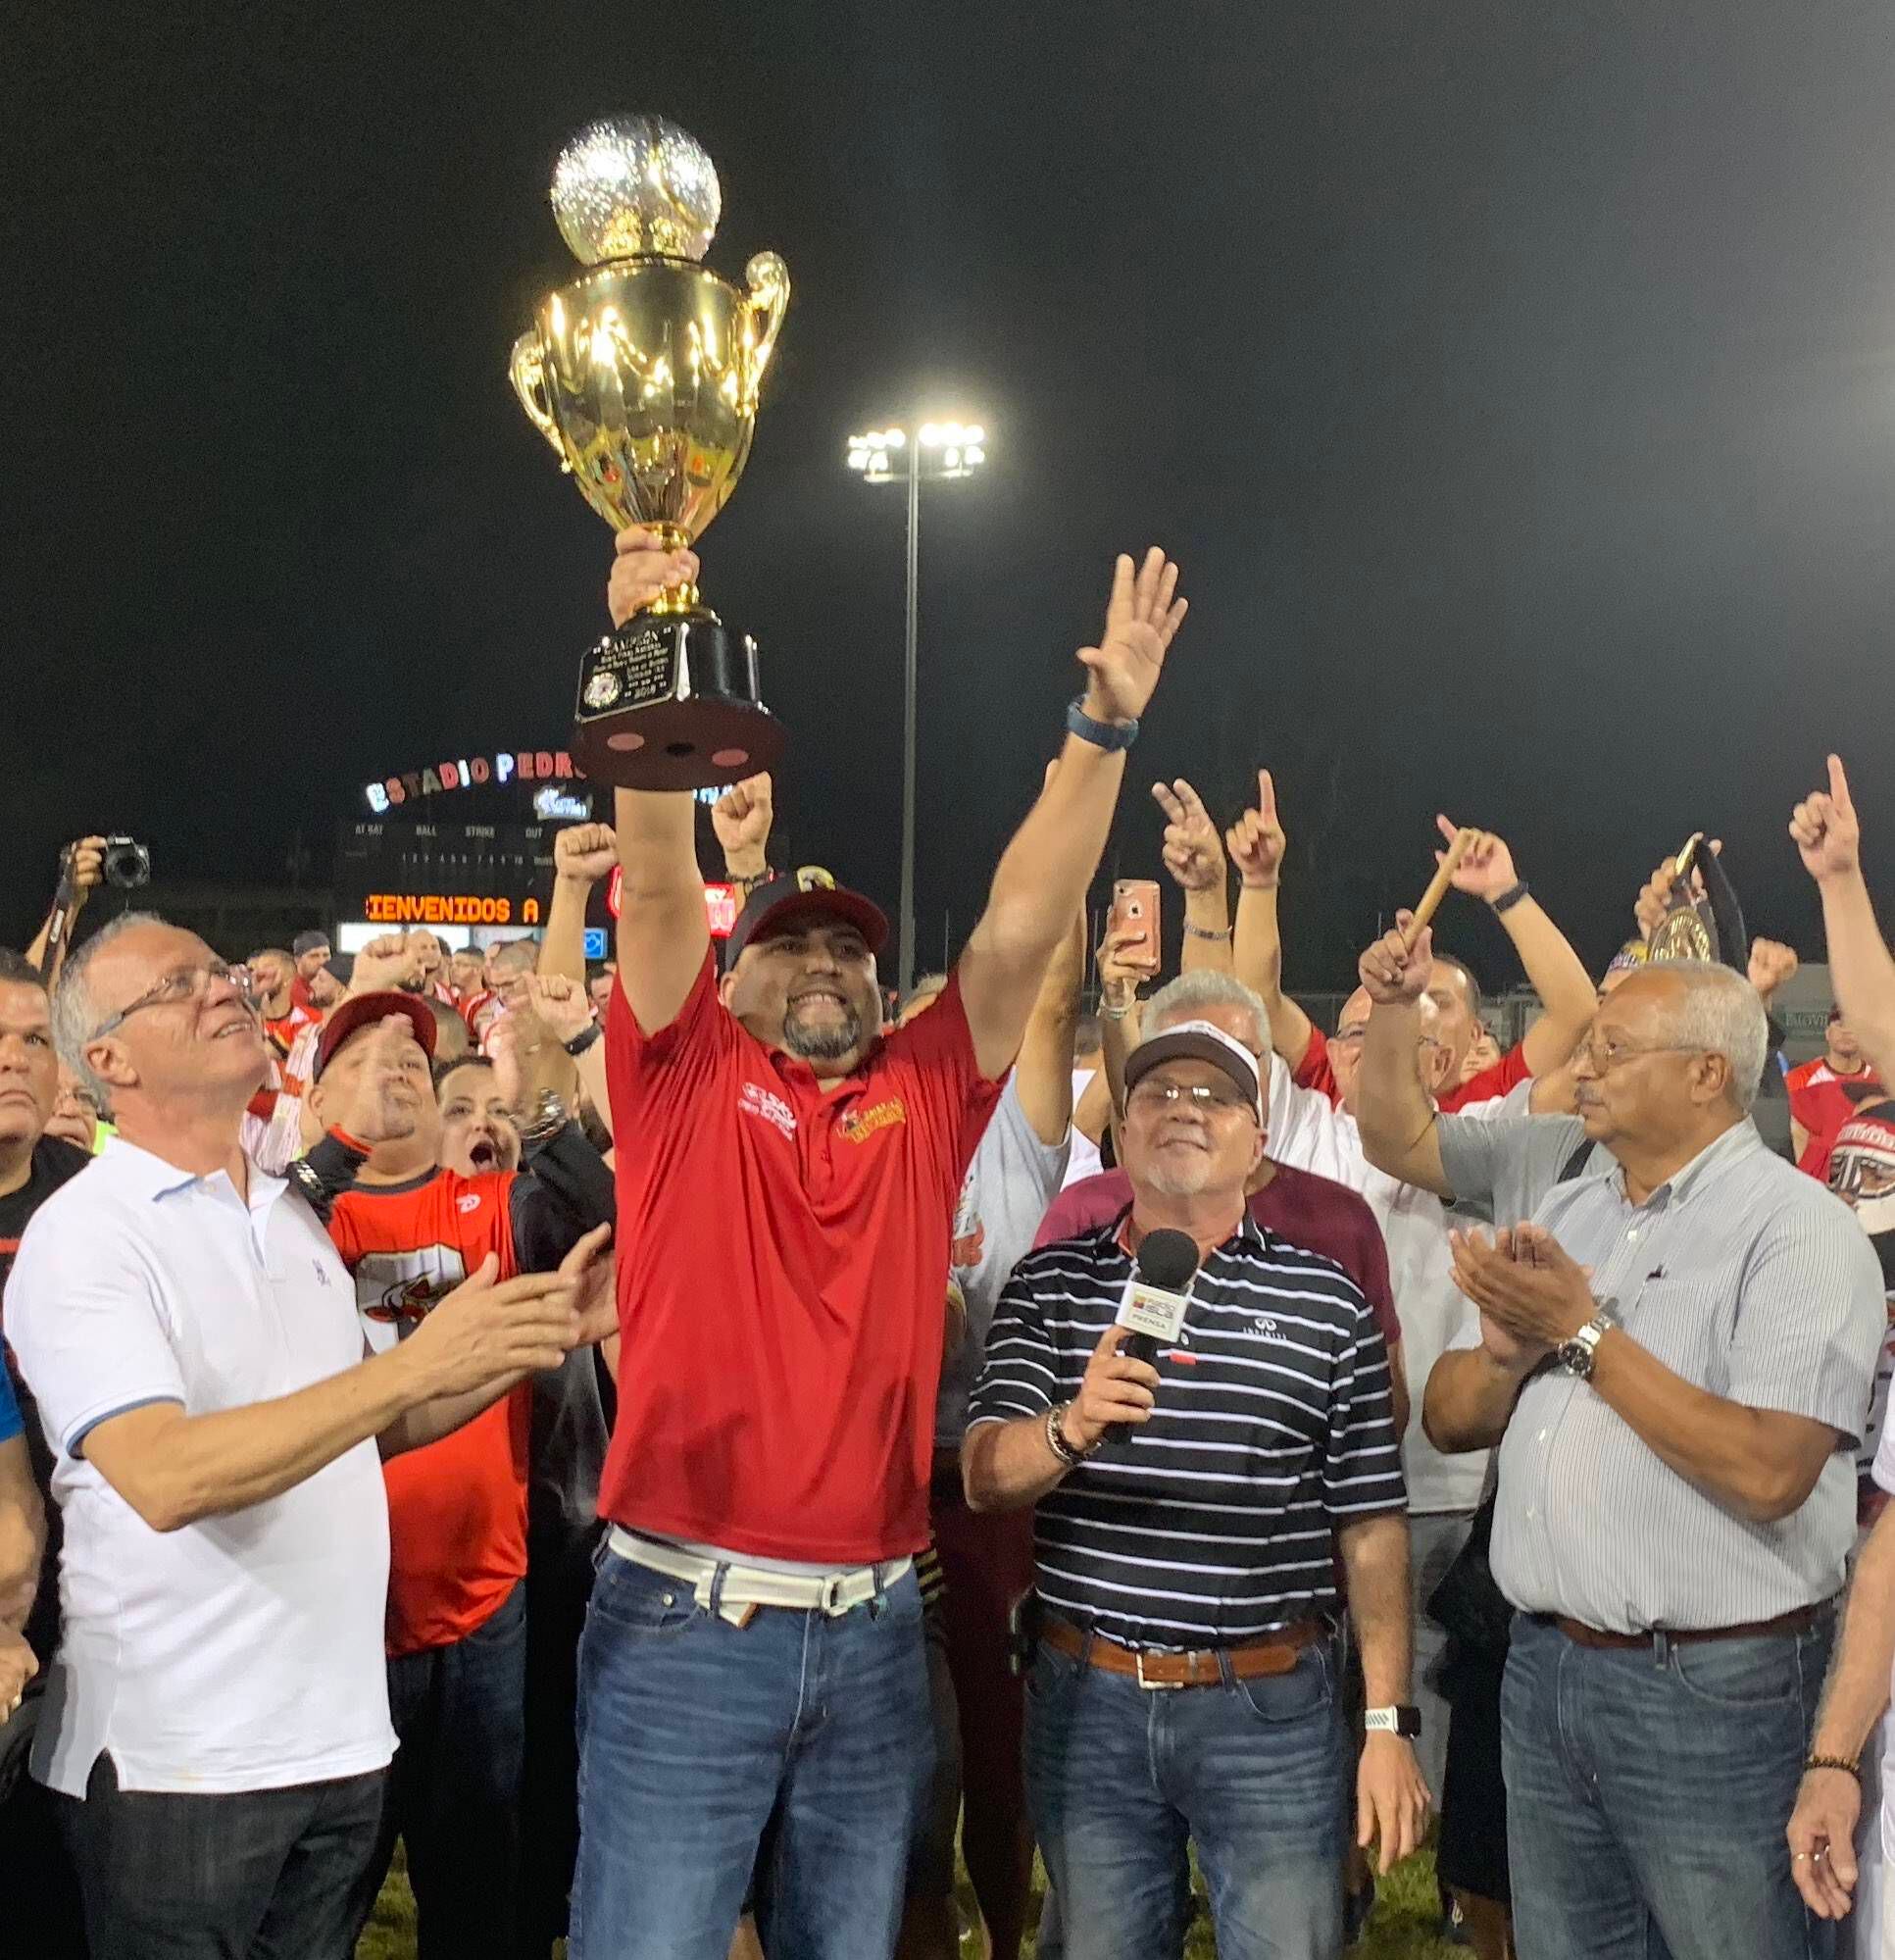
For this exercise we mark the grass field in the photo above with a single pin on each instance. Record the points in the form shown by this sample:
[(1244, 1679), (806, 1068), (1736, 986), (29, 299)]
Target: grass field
[(1405, 1916)]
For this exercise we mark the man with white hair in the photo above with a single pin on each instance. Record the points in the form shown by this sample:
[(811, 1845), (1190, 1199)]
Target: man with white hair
[(191, 1335), (1676, 1357)]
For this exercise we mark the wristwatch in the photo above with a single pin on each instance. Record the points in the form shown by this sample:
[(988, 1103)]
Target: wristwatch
[(1404, 1718), (1577, 1355)]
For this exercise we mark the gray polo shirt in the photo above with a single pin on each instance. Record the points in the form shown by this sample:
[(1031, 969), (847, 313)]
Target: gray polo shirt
[(1502, 1166), (1750, 1280)]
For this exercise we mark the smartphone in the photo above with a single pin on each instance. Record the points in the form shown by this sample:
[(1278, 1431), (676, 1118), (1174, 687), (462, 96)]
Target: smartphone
[(1134, 908)]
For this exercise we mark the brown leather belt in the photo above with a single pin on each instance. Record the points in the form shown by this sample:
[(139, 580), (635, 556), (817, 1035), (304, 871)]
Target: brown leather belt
[(1275, 1653), (1800, 1621)]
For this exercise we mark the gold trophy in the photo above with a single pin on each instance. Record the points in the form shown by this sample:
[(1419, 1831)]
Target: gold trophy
[(643, 375)]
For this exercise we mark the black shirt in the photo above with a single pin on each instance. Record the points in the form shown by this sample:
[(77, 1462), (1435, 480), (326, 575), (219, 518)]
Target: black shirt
[(54, 1163), (1216, 1521)]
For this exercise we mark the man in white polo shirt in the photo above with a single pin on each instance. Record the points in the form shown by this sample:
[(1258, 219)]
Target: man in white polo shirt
[(217, 1718)]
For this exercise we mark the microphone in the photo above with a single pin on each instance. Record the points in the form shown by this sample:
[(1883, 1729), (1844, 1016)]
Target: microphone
[(1155, 1296)]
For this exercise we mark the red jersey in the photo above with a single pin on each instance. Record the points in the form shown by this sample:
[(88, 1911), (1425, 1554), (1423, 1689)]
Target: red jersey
[(285, 1031), (1312, 1212), (1315, 1072), (1821, 1102), (782, 1279), (457, 1509)]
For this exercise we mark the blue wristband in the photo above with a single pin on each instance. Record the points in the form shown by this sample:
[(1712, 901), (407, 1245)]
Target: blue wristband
[(1108, 735)]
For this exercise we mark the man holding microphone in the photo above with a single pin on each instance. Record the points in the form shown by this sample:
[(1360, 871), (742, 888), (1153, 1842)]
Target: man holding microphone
[(787, 1179)]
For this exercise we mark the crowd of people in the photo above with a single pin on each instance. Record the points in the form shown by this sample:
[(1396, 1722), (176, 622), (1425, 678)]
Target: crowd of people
[(686, 1451)]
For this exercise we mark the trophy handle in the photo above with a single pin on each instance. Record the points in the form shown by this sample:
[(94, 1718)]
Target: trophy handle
[(526, 369), (768, 281)]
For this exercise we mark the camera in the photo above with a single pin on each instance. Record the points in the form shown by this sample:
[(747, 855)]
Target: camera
[(128, 862)]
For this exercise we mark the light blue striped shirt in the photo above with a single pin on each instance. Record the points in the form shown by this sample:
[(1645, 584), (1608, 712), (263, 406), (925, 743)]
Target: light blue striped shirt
[(1752, 1281)]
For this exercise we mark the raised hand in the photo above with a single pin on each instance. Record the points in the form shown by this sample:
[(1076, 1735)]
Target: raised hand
[(641, 569), (1142, 617), (741, 818), (1123, 970), (1655, 894), (1394, 972), (1256, 841), (584, 853), (1192, 853), (1827, 832), (1771, 962), (386, 963), (1486, 871), (561, 1003), (84, 863)]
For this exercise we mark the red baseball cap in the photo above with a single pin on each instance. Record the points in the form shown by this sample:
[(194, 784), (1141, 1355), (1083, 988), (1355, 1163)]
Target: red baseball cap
[(360, 1010), (809, 893)]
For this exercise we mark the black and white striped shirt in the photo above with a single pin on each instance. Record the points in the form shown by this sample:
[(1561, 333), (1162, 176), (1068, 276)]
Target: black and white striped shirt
[(1216, 1521)]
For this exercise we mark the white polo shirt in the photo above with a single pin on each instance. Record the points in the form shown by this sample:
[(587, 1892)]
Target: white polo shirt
[(243, 1652)]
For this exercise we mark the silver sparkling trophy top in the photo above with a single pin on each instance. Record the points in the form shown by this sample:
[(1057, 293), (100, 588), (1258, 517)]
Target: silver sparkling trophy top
[(630, 184)]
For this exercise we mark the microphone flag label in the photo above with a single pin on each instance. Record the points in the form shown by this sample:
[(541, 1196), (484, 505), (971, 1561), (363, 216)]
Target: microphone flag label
[(1153, 1311)]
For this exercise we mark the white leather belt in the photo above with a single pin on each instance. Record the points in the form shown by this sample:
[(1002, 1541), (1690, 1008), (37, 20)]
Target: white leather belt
[(745, 1588)]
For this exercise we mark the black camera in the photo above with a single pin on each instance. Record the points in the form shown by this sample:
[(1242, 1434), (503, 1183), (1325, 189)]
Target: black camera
[(126, 863)]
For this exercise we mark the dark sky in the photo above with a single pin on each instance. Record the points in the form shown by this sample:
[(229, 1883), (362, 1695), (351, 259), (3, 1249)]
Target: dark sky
[(1514, 384)]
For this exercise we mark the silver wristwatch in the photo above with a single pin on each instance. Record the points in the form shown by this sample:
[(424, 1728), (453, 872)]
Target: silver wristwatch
[(1577, 1355)]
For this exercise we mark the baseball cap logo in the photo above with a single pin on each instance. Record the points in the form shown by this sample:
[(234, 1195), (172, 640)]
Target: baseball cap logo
[(812, 877)]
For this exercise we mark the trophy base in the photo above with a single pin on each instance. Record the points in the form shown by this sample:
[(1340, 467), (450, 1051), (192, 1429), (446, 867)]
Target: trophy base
[(669, 702)]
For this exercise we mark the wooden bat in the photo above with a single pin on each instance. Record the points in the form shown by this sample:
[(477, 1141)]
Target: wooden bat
[(1438, 886)]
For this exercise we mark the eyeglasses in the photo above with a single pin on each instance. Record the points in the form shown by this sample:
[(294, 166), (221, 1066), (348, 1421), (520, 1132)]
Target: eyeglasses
[(1150, 1095), (1602, 1060), (185, 983)]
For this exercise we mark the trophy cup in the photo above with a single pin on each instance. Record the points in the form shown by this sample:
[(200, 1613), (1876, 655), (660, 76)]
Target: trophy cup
[(643, 375)]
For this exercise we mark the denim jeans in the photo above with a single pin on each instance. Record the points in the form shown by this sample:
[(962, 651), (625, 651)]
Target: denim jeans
[(694, 1735), (453, 1791), (1648, 1791), (259, 1875), (1122, 1780)]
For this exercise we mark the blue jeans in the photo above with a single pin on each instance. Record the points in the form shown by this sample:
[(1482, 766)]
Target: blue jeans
[(1647, 1793), (1120, 1780), (453, 1791), (694, 1735)]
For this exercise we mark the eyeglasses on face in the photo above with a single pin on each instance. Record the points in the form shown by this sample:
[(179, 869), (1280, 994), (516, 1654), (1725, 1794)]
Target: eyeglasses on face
[(180, 984), (1204, 1097)]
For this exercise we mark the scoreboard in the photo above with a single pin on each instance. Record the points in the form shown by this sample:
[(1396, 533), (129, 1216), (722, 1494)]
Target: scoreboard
[(407, 874), (471, 875)]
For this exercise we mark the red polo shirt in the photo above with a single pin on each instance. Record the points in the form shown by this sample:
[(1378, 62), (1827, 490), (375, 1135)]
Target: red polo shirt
[(782, 1270), (1819, 1100), (1315, 1072)]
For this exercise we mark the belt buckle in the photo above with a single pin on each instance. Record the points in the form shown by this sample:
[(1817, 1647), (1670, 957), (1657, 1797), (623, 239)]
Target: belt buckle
[(1152, 1687)]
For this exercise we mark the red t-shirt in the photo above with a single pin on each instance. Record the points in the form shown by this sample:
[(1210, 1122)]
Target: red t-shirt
[(457, 1509), (1316, 1213), (782, 1270), (283, 1031), (1821, 1101), (1314, 1071)]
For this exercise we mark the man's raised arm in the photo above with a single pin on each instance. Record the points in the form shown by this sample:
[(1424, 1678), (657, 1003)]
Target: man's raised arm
[(1829, 838), (1393, 1107), (1257, 843), (1553, 969), (664, 932), (1044, 871)]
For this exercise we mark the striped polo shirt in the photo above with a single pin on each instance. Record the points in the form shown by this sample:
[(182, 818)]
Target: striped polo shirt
[(1217, 1519), (1746, 1279)]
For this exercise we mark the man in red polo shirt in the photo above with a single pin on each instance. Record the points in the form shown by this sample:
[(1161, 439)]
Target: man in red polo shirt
[(787, 1179), (410, 1230), (1825, 1092)]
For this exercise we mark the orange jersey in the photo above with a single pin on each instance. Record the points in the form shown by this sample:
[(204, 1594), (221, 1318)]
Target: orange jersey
[(457, 1509)]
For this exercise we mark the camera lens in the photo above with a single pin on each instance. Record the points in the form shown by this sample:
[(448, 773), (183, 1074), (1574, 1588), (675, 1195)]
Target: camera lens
[(127, 864)]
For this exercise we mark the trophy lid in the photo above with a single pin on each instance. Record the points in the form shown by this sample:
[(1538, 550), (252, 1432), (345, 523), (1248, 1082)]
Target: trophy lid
[(630, 184)]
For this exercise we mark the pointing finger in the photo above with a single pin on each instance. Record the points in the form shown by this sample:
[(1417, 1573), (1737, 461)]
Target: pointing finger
[(1267, 795), (1839, 784)]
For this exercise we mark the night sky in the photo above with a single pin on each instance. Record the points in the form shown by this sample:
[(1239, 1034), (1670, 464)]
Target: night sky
[(1515, 386)]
